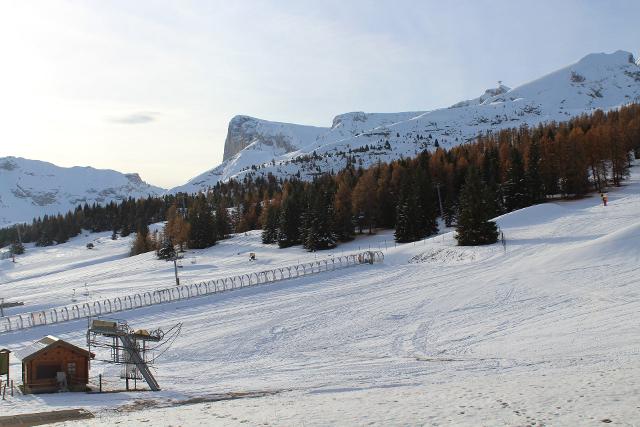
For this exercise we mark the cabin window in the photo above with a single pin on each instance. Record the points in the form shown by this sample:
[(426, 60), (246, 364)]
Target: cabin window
[(71, 368), (47, 371)]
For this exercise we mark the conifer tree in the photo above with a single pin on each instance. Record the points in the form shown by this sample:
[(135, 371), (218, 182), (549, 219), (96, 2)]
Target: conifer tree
[(222, 222), (405, 221), (307, 229), (450, 208), (403, 232), (249, 214), (515, 188), (550, 166), (533, 178), (167, 249), (271, 216), (328, 237), (343, 216), (416, 211), (475, 212), (425, 210), (17, 248), (61, 233), (288, 224), (364, 201), (202, 233), (491, 175), (317, 230), (290, 215), (125, 231), (45, 238), (385, 197)]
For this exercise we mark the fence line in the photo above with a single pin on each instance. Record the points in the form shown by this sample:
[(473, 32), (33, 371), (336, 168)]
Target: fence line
[(118, 304)]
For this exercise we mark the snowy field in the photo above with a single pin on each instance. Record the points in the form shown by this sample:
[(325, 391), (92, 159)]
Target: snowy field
[(542, 332)]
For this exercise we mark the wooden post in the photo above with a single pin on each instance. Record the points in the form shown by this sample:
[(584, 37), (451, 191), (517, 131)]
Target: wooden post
[(100, 382), (11, 388), (5, 363), (175, 269)]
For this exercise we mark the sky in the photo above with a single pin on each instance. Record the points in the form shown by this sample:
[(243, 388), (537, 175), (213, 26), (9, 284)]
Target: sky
[(150, 86)]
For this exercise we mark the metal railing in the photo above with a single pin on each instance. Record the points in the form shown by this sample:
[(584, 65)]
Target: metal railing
[(177, 293)]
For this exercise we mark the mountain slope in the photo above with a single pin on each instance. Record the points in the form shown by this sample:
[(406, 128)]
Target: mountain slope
[(254, 146), (31, 188), (543, 331)]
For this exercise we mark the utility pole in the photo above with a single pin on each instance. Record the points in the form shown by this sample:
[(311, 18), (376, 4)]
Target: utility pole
[(175, 269), (184, 206), (440, 201), (1, 307)]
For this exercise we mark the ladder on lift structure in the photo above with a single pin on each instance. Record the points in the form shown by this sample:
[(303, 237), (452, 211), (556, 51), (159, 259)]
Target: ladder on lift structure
[(129, 347)]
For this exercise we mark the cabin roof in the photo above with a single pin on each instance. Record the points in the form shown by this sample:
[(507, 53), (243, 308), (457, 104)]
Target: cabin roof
[(32, 350)]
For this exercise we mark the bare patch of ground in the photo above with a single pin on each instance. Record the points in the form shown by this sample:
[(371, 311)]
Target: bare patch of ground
[(42, 418), (144, 404)]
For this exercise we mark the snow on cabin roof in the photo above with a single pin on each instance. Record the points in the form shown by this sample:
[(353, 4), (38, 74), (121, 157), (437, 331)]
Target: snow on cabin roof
[(36, 346), (43, 343), (48, 340)]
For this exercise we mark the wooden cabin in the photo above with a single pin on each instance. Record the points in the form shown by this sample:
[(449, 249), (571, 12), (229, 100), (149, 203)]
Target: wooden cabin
[(4, 363), (51, 365)]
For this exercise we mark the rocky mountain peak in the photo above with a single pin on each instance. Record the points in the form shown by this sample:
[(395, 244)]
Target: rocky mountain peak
[(260, 147)]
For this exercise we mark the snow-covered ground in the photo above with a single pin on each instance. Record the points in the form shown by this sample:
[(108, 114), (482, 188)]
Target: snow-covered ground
[(544, 331)]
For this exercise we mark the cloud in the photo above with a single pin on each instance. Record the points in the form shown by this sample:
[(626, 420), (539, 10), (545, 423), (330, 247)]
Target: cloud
[(135, 118)]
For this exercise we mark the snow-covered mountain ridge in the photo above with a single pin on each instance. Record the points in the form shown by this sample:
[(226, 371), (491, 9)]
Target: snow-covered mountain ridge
[(255, 146), (32, 188)]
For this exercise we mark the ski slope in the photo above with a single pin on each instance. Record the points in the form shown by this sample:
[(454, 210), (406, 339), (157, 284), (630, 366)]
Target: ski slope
[(544, 331)]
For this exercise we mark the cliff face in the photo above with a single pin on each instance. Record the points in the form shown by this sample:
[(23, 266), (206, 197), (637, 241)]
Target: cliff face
[(244, 131), (241, 131)]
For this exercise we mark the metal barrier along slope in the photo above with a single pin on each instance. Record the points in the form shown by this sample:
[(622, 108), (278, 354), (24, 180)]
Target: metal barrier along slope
[(176, 293)]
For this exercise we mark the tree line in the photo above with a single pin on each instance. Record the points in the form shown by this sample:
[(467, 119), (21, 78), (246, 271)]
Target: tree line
[(465, 185), (121, 218)]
